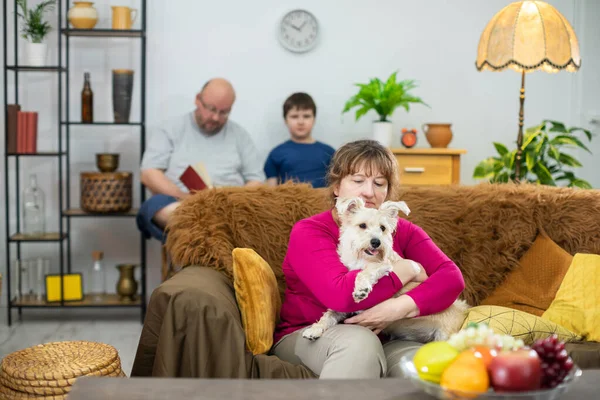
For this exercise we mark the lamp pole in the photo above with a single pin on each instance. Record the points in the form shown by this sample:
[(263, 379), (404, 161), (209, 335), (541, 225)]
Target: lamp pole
[(520, 135)]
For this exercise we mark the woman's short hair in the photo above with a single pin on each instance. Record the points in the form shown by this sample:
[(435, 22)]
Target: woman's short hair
[(367, 154)]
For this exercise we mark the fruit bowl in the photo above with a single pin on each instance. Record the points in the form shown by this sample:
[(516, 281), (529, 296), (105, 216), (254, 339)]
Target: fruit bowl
[(433, 389)]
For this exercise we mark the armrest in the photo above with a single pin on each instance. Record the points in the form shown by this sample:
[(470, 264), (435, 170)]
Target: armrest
[(192, 328)]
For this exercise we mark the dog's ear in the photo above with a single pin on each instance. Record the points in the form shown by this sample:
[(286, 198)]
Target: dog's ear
[(349, 205), (392, 208)]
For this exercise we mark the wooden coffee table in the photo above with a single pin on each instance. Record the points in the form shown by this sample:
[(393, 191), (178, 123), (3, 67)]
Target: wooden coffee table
[(217, 389)]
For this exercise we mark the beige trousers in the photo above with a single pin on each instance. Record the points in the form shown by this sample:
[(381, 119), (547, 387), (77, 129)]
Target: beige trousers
[(344, 352)]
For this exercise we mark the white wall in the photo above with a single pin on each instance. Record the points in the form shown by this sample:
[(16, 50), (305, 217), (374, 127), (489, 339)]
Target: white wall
[(434, 42)]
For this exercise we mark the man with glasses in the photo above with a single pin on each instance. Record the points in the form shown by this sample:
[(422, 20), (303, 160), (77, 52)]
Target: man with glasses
[(204, 135)]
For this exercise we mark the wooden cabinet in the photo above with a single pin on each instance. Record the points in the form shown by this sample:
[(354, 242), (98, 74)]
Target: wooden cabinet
[(429, 166)]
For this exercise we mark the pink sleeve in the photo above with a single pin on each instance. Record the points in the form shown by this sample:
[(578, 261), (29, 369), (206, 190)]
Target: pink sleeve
[(445, 282), (312, 253)]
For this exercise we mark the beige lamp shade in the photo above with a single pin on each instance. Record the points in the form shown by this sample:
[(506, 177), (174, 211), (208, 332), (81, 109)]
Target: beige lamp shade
[(527, 36)]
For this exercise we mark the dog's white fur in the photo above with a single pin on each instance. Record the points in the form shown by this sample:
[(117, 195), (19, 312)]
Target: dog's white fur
[(366, 240)]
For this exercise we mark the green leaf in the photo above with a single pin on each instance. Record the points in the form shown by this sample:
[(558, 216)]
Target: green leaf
[(558, 127), (544, 176), (361, 111), (530, 138), (502, 177), (530, 160), (533, 129), (580, 183), (568, 160), (500, 148), (570, 141), (487, 168), (553, 152), (585, 131)]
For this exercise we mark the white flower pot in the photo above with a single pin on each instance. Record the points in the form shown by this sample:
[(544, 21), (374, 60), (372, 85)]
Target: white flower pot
[(382, 132), (36, 54)]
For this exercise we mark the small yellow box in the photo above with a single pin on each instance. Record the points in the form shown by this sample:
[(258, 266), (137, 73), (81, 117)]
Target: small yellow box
[(73, 287)]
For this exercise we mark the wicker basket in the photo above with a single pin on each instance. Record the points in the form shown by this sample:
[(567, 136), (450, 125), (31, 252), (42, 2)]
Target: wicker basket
[(106, 192), (49, 370)]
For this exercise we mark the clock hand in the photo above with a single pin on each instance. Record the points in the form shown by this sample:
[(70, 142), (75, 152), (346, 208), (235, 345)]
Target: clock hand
[(293, 26), (304, 23)]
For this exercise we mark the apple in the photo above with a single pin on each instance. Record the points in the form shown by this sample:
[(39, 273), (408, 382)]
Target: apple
[(516, 371)]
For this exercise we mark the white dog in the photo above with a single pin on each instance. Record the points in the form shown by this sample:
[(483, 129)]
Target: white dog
[(366, 240)]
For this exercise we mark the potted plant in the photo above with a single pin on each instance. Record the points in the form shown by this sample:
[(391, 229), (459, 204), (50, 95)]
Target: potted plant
[(384, 98), (35, 29), (543, 160)]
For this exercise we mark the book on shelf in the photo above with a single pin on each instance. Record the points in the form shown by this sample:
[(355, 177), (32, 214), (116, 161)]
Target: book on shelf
[(22, 130), (195, 177)]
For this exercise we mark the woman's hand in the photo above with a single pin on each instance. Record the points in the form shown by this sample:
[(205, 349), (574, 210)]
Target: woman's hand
[(383, 314), (408, 270)]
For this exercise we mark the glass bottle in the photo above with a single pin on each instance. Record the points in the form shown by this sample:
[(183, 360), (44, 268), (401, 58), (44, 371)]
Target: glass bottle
[(97, 278), (34, 211), (87, 100)]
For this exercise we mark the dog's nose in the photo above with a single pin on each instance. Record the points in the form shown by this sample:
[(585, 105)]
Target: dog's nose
[(375, 243)]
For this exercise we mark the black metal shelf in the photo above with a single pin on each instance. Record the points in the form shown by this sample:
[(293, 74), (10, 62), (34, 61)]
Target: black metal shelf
[(104, 123), (47, 237), (26, 68), (79, 213), (111, 33), (109, 301), (65, 211), (39, 154)]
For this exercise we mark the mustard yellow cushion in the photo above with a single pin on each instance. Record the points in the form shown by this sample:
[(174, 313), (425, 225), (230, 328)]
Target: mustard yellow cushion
[(519, 324), (532, 286), (257, 297), (577, 302)]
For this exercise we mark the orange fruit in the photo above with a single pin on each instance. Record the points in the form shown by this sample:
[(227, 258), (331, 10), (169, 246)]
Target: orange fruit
[(485, 353), (467, 376)]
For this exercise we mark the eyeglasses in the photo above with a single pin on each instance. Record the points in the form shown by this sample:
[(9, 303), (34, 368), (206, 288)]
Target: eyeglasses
[(213, 109)]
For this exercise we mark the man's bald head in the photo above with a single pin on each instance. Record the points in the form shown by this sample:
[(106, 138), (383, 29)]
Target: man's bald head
[(213, 104), (219, 87)]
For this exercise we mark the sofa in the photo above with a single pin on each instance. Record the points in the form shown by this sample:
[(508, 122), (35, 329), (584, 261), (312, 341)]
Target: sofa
[(193, 326)]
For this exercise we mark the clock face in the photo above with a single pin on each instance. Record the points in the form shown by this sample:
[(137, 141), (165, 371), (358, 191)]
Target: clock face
[(298, 31)]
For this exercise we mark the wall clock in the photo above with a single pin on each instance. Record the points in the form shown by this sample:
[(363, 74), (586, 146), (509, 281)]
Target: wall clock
[(298, 31)]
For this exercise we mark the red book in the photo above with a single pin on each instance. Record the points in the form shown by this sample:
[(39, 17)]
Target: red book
[(32, 124), (21, 132), (11, 127), (195, 177)]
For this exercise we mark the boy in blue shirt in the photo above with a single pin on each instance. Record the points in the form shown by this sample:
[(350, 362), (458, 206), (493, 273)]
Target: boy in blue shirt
[(302, 158)]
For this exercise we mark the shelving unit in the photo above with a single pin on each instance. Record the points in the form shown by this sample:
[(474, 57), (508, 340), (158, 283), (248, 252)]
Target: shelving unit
[(66, 211)]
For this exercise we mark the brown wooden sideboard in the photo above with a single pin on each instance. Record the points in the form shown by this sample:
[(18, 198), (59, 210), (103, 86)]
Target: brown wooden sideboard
[(429, 166)]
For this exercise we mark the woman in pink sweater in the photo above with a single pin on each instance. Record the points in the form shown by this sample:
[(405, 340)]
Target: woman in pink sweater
[(317, 280)]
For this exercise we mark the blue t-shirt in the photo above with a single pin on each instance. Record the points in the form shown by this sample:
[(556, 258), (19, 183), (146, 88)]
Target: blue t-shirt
[(300, 162)]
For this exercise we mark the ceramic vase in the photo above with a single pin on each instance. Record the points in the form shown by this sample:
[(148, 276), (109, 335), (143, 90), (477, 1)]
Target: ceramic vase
[(122, 87), (36, 54), (382, 132), (438, 135), (83, 15)]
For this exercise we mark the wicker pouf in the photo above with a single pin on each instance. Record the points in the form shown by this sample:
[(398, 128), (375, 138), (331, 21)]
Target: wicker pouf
[(47, 371)]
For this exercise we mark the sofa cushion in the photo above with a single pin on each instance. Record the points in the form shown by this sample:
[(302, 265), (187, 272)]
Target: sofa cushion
[(519, 324), (577, 302), (532, 286), (257, 297)]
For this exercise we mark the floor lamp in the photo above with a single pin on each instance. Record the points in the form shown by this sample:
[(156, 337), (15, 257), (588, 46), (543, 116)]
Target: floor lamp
[(527, 36)]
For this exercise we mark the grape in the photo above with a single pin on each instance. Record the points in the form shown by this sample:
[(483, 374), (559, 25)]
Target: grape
[(556, 362)]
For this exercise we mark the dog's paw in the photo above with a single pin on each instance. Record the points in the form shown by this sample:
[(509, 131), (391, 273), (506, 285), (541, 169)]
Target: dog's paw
[(313, 333), (360, 293)]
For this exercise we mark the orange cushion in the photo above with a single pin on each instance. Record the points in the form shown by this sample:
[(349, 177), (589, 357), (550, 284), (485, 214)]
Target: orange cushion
[(532, 286)]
